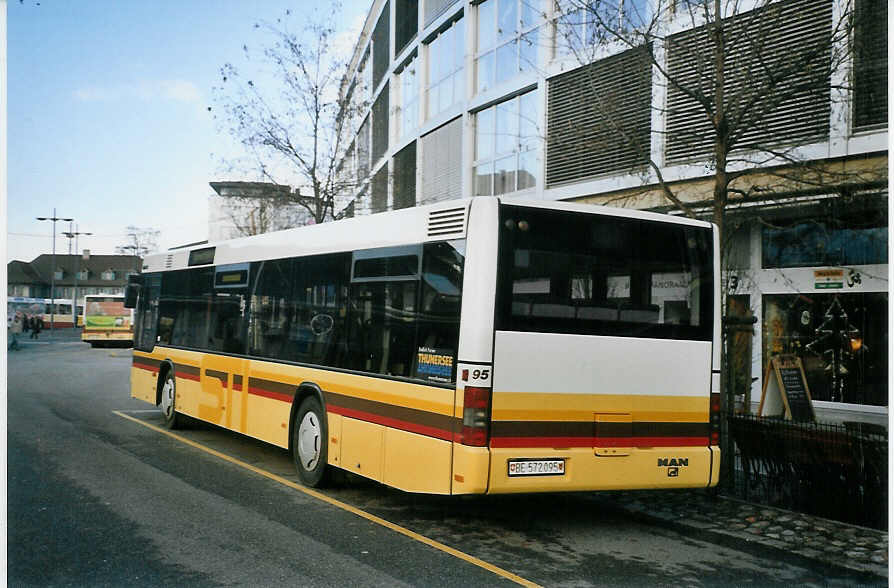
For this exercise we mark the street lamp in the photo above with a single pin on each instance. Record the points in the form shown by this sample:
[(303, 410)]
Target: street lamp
[(53, 218), (74, 299)]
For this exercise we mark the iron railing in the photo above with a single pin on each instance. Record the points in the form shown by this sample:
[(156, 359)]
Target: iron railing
[(830, 470)]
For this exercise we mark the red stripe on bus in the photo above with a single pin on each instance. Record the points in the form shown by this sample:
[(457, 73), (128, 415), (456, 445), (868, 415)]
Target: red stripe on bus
[(393, 423), (269, 394), (186, 376), (599, 442), (144, 366)]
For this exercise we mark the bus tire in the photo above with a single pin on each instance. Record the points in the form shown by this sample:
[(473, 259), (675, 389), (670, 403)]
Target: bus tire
[(168, 402), (309, 443)]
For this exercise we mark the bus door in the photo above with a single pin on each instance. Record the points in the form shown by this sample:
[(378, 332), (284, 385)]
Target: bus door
[(222, 370)]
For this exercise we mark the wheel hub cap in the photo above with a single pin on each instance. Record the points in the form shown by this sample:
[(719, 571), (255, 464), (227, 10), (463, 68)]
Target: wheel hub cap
[(309, 435), (167, 398)]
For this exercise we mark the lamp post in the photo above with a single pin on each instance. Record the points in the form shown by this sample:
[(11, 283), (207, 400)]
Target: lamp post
[(74, 299), (53, 218)]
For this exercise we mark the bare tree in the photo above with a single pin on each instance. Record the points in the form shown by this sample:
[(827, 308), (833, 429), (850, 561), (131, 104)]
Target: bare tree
[(297, 126), (140, 241)]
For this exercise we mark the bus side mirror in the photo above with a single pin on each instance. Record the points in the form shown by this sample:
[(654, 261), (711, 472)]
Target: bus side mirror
[(132, 290)]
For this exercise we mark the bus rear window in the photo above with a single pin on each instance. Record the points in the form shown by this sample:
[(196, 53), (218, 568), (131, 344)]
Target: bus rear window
[(590, 274)]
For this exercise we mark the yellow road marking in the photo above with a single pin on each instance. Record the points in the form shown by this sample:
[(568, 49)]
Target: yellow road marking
[(339, 504)]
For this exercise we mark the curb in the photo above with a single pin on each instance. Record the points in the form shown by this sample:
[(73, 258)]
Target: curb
[(755, 545)]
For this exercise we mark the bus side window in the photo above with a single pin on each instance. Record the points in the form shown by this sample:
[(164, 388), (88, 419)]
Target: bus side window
[(440, 297), (271, 308)]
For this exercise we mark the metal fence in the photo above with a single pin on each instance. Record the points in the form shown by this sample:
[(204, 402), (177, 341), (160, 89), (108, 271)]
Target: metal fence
[(834, 471)]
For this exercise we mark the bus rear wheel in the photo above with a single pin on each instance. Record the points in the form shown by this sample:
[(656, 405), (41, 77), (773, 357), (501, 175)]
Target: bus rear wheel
[(309, 443), (169, 401)]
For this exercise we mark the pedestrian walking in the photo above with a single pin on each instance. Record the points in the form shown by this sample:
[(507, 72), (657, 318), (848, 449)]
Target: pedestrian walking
[(14, 329), (36, 326)]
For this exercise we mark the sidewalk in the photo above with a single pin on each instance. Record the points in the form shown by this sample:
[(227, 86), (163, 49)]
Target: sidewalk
[(757, 528), (61, 335)]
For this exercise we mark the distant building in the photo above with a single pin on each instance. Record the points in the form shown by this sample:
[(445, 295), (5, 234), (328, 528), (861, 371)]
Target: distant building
[(90, 274), (239, 209)]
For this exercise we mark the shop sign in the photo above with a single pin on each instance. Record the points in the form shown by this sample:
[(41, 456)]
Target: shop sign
[(828, 279), (785, 391)]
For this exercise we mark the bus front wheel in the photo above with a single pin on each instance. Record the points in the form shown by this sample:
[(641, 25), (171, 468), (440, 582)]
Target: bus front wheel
[(309, 443), (169, 400)]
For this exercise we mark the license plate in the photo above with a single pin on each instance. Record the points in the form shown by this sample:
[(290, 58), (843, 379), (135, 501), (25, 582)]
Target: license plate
[(536, 467)]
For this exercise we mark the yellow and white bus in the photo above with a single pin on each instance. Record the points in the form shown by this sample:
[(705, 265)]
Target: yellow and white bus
[(106, 320), (470, 346)]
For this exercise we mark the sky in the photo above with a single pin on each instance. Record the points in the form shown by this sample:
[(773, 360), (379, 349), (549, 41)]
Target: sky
[(107, 114)]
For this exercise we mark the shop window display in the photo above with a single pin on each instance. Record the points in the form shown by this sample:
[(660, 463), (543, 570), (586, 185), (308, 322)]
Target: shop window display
[(842, 341)]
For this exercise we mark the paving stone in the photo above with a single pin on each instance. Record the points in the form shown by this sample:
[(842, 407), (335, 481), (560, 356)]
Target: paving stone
[(754, 531)]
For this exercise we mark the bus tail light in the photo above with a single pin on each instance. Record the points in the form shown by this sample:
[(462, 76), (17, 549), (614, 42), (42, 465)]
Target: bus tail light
[(715, 418), (476, 416)]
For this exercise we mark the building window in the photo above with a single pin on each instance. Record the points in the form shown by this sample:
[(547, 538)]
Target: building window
[(408, 82), (870, 64), (441, 163), (446, 84), (845, 239), (57, 275), (506, 141), (380, 47), (380, 190), (83, 275), (588, 106), (577, 28), (380, 126), (405, 177), (435, 8), (108, 275), (777, 83), (406, 19), (365, 88), (841, 339), (363, 150), (508, 40)]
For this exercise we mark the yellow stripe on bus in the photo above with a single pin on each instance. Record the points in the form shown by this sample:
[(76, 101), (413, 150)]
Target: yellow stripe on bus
[(581, 407), (341, 505)]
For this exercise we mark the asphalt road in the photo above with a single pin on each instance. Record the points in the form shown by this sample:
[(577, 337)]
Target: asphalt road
[(96, 499)]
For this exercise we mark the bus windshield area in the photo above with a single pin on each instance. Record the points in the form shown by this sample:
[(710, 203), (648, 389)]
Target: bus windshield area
[(563, 272)]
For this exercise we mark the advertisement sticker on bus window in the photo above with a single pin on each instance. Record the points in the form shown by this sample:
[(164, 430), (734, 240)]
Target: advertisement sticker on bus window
[(434, 365)]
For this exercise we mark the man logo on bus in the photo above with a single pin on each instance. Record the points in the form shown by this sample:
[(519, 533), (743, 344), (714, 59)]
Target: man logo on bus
[(673, 465)]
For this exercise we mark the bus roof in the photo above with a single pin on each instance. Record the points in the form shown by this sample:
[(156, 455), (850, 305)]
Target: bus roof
[(433, 222)]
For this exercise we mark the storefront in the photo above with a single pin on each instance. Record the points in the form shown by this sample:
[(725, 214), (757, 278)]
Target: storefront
[(816, 280)]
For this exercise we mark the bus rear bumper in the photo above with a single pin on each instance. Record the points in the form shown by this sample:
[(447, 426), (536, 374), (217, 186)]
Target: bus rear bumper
[(584, 470)]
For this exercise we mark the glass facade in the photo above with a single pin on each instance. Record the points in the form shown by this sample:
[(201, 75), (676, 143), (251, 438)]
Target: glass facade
[(508, 40), (408, 115), (446, 75), (507, 139)]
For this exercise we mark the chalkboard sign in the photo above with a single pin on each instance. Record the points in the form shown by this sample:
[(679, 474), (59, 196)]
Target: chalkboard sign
[(785, 390)]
